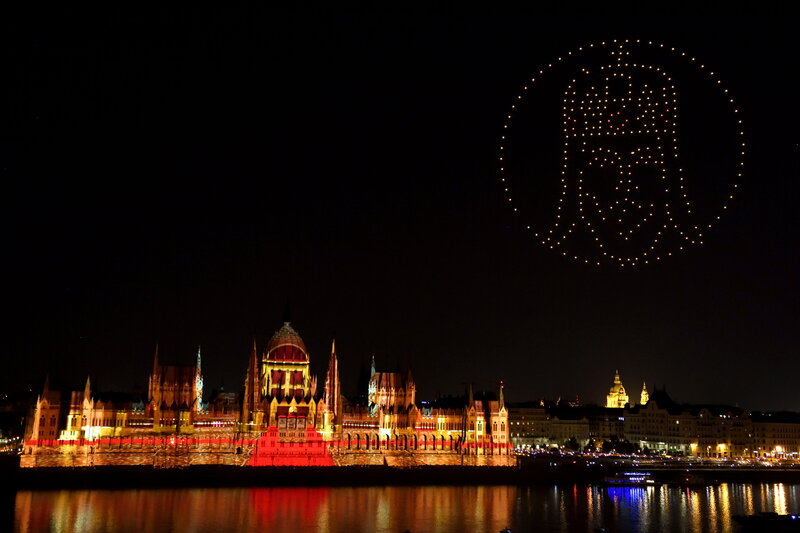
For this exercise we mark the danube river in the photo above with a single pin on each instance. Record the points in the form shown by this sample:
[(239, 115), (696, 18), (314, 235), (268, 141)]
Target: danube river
[(441, 509)]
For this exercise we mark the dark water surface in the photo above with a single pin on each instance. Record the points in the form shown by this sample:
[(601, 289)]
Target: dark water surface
[(565, 508)]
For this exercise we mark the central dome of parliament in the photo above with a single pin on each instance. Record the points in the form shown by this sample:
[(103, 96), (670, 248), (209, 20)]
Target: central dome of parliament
[(287, 346)]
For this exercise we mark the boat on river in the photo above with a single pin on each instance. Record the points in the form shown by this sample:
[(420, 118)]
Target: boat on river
[(769, 522), (630, 479)]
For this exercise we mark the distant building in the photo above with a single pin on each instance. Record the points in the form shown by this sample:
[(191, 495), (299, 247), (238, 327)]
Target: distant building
[(529, 426), (560, 424), (775, 435), (644, 397), (617, 397), (721, 431), (658, 425)]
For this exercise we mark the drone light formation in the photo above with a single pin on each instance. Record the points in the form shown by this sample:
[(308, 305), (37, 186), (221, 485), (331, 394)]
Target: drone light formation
[(624, 198)]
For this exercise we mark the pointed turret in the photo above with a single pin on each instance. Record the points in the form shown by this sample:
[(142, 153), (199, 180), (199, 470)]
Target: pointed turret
[(470, 395), (198, 383), (500, 397), (411, 389), (312, 387), (333, 390), (372, 366), (645, 396), (87, 389), (252, 387), (332, 380), (154, 380)]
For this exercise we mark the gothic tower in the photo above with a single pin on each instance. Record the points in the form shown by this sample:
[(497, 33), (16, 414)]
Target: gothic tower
[(198, 384), (645, 396), (172, 395), (332, 422), (252, 408)]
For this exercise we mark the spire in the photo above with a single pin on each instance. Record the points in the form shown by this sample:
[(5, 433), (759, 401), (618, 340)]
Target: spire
[(198, 384), (333, 388), (46, 387), (252, 386), (645, 396), (616, 377), (155, 361), (253, 365), (501, 397), (470, 395), (372, 366), (87, 389)]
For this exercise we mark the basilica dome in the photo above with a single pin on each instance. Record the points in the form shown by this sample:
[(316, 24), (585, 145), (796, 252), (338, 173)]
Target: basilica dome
[(617, 398), (286, 346)]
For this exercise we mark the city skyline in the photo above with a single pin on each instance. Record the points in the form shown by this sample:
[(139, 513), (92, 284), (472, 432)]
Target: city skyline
[(352, 384), (285, 416)]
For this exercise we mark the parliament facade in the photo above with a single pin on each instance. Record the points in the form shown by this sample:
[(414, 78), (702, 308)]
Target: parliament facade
[(281, 417)]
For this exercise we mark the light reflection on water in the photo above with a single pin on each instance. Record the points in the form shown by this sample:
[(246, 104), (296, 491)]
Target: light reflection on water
[(565, 508)]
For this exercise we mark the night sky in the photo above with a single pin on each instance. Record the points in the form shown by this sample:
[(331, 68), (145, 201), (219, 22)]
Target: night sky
[(181, 177)]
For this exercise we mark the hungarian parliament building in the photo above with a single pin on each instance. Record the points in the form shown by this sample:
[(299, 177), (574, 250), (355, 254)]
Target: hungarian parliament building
[(281, 417)]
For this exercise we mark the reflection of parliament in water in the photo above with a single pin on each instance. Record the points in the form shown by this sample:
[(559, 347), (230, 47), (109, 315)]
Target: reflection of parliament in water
[(279, 419), (445, 509)]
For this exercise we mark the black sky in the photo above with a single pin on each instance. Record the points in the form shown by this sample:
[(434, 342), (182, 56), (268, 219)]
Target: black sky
[(179, 176)]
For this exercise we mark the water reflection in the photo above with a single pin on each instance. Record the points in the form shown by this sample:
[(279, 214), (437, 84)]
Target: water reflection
[(569, 508)]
